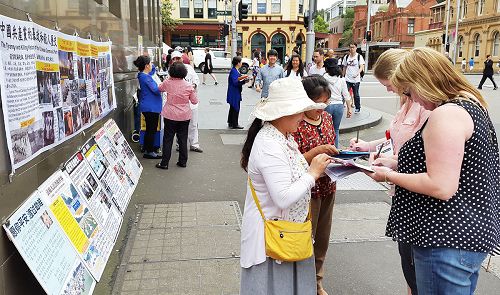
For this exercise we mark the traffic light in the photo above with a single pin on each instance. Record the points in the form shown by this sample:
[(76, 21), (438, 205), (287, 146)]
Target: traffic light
[(221, 31), (306, 19), (368, 36), (226, 30), (242, 10), (443, 40)]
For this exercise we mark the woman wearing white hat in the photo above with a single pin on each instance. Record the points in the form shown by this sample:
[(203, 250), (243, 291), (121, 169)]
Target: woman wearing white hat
[(282, 180)]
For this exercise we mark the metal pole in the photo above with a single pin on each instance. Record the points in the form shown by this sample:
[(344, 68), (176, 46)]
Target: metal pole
[(310, 36), (447, 22), (368, 17), (234, 39), (225, 23), (455, 53)]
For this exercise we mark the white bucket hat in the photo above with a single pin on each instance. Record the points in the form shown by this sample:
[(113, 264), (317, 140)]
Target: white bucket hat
[(286, 97)]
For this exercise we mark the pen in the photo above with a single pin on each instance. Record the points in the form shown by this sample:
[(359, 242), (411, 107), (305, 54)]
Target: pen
[(378, 153), (357, 136)]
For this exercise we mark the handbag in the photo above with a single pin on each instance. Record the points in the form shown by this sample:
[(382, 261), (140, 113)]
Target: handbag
[(286, 240)]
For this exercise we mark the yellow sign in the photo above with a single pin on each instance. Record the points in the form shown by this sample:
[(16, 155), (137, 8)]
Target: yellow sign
[(69, 225), (46, 67), (83, 49), (28, 122), (66, 45), (93, 50)]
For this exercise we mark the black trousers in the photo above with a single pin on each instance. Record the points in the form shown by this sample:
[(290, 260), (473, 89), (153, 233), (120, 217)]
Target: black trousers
[(151, 129), (483, 79), (406, 253), (170, 129), (232, 117)]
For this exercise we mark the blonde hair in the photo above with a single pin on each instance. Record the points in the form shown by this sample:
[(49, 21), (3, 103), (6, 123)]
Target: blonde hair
[(432, 77), (387, 62)]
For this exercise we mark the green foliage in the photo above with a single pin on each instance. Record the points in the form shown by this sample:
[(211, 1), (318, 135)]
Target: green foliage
[(320, 26), (347, 34), (166, 15)]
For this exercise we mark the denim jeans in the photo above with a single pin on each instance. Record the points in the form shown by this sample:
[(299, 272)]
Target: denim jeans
[(337, 111), (446, 271), (355, 93)]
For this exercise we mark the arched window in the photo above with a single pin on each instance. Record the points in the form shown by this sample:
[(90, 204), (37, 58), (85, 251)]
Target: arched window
[(464, 8), (460, 45), (496, 44), (477, 44), (258, 42)]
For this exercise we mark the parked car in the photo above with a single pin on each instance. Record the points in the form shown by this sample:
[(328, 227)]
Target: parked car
[(220, 59)]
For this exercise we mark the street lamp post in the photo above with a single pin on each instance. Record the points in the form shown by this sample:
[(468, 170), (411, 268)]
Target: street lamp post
[(310, 36)]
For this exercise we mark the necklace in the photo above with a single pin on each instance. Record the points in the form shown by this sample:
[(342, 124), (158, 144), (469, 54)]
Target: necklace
[(312, 121)]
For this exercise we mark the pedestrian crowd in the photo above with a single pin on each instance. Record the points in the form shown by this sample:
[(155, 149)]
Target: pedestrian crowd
[(445, 213)]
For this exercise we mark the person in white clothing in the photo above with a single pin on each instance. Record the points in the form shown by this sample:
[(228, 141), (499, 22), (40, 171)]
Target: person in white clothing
[(339, 95), (317, 68), (282, 180), (353, 65), (295, 68), (192, 78)]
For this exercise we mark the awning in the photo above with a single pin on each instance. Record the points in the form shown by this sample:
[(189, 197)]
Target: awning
[(198, 27)]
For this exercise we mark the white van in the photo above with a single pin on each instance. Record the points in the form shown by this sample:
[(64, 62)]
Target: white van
[(220, 59)]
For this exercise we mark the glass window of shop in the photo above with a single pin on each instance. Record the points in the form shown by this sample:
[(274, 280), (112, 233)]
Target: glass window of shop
[(184, 8)]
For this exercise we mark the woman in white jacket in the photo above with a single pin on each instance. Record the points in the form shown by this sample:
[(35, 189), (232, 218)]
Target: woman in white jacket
[(340, 95)]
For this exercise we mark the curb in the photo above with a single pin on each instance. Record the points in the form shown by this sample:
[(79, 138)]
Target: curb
[(361, 126)]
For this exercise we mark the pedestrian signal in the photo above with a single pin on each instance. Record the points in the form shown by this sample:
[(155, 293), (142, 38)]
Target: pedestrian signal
[(242, 10), (306, 19), (368, 36), (225, 30)]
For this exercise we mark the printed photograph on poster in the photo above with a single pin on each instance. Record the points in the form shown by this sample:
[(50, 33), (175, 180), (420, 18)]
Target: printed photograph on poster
[(95, 158), (77, 118), (94, 110), (85, 112), (35, 135), (69, 92), (60, 124), (66, 65), (68, 122), (21, 149), (48, 128), (79, 282), (48, 88), (43, 245)]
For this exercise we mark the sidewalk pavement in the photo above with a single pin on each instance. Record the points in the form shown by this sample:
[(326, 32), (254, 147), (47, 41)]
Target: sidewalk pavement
[(183, 229)]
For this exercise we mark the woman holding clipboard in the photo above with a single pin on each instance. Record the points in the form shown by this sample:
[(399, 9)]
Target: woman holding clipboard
[(235, 83)]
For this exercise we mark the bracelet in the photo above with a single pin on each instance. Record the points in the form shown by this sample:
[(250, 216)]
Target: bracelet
[(385, 177)]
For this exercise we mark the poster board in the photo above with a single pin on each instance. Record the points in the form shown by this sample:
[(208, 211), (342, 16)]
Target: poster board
[(44, 246), (53, 86)]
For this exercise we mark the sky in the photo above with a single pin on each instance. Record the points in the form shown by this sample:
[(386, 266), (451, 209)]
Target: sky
[(325, 3)]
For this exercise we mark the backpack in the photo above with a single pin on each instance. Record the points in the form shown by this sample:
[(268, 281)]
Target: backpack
[(344, 59)]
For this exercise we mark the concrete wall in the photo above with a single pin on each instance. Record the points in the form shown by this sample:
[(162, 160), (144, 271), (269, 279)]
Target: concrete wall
[(84, 16)]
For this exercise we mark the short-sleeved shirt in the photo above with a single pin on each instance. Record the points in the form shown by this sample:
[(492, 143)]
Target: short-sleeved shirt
[(266, 76), (308, 137), (314, 70), (470, 219), (352, 67)]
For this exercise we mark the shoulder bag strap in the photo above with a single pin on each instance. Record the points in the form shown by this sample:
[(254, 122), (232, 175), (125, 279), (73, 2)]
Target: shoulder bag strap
[(255, 198)]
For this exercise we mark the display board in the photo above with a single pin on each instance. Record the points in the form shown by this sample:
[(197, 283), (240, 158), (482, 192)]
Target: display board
[(53, 86), (65, 231)]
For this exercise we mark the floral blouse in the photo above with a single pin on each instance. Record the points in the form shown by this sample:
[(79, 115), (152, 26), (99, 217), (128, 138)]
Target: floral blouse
[(308, 137)]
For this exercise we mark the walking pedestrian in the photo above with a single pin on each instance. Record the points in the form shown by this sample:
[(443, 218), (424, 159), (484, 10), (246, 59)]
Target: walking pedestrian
[(449, 169), (315, 135), (207, 69), (295, 68), (339, 95), (255, 67), (487, 73), (268, 73), (235, 83), (193, 79), (463, 65), (150, 103), (281, 179), (471, 64), (353, 66), (318, 58), (189, 52), (176, 113), (408, 120)]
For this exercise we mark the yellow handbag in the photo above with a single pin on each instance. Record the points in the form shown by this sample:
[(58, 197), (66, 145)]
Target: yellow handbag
[(286, 240)]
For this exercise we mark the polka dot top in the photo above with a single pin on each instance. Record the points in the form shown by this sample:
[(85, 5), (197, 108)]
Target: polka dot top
[(470, 220)]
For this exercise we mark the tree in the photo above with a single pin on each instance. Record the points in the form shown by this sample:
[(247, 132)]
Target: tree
[(166, 15), (347, 34), (320, 26)]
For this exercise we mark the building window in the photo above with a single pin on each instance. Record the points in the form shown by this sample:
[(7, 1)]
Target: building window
[(479, 7), (496, 44), (301, 6), (411, 26), (394, 28), (198, 8), (341, 10), (184, 8), (464, 8), (460, 45), (212, 8), (261, 6), (249, 2), (275, 6), (477, 44)]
